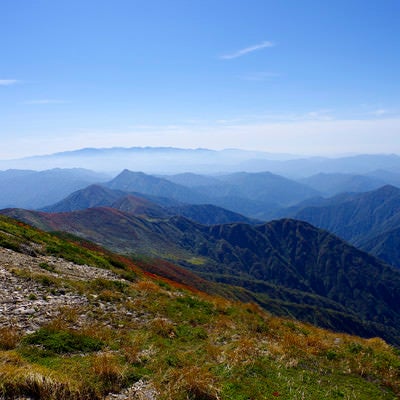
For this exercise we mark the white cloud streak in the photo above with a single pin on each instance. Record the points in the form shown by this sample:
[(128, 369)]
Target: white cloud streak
[(8, 82), (247, 50), (44, 101)]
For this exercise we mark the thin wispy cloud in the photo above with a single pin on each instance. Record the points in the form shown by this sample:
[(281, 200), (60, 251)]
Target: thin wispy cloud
[(8, 82), (319, 115), (44, 101), (247, 50), (380, 112)]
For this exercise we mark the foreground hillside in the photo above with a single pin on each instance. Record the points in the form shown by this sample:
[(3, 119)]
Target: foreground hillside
[(287, 266), (88, 323)]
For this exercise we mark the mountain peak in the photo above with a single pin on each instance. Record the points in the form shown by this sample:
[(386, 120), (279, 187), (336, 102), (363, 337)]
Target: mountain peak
[(389, 189), (140, 182)]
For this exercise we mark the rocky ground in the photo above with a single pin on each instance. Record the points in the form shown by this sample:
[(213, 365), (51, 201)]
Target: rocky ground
[(28, 300), (27, 303)]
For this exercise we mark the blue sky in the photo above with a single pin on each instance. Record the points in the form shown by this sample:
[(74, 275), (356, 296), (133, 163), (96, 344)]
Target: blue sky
[(303, 77)]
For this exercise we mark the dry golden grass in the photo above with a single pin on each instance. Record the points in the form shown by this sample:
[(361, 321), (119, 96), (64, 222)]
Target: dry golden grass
[(109, 296), (317, 343), (224, 324), (190, 382), (66, 317), (108, 368), (9, 338), (162, 327), (38, 382), (132, 353), (243, 351), (9, 358), (98, 331), (135, 347), (214, 352), (221, 305), (147, 287)]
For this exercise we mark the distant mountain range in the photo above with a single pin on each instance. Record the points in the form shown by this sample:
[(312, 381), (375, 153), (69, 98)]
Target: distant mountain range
[(148, 159), (166, 160), (139, 205), (256, 195), (290, 265), (368, 220)]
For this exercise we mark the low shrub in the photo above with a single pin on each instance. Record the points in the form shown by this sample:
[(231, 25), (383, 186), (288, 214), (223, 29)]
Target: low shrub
[(63, 341)]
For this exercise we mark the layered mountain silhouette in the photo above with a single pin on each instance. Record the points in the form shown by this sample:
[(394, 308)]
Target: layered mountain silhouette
[(334, 183), (370, 221), (241, 192), (290, 267), (160, 160), (255, 195), (140, 204)]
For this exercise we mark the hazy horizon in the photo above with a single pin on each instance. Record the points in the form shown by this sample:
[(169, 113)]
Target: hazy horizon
[(307, 78), (266, 154)]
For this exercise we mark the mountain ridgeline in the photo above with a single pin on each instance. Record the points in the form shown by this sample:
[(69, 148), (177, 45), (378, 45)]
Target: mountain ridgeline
[(142, 204), (331, 184), (160, 160), (260, 195), (255, 195), (370, 221)]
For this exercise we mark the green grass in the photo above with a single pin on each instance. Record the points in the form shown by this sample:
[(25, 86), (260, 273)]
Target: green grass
[(17, 236), (47, 266)]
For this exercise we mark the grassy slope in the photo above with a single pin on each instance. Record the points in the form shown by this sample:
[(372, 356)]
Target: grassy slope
[(288, 267), (184, 344)]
